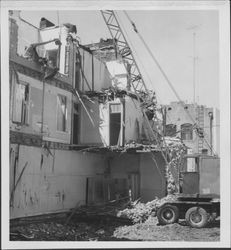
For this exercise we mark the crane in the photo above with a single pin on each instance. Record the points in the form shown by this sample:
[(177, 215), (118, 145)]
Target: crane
[(125, 52)]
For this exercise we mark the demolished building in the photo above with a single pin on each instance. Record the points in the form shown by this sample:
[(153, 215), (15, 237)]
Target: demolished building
[(77, 132)]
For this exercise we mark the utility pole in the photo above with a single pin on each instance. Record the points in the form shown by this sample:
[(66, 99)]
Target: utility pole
[(195, 58), (194, 66)]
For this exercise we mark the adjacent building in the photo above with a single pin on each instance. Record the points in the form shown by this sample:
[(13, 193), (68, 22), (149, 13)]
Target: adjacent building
[(197, 125)]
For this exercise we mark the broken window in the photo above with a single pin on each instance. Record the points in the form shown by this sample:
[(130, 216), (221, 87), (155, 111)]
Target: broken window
[(115, 124), (186, 131), (170, 130), (76, 123), (61, 113), (21, 103)]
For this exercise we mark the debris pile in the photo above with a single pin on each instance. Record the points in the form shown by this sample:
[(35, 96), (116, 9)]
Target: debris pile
[(151, 231), (176, 150), (94, 230), (139, 212)]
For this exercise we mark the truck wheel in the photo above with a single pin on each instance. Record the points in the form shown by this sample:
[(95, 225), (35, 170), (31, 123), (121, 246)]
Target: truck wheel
[(167, 214), (196, 217)]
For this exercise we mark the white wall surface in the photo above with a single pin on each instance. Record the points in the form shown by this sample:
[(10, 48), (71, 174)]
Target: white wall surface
[(52, 184)]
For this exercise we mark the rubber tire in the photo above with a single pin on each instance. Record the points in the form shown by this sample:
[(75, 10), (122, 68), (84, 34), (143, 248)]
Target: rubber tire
[(160, 214), (204, 217)]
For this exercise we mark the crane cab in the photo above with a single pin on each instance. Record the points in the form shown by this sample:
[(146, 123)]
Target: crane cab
[(200, 174)]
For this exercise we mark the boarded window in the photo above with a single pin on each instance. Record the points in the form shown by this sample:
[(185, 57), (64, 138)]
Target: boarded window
[(170, 130), (186, 131), (21, 103), (61, 113)]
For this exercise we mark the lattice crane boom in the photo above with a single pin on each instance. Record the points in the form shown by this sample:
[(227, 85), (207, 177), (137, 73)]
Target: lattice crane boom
[(122, 47)]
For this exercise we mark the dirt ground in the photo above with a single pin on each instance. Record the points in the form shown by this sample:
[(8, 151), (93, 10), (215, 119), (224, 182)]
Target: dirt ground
[(109, 229)]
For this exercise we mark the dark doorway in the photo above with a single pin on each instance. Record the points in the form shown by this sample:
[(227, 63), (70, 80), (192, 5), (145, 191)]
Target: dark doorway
[(115, 126)]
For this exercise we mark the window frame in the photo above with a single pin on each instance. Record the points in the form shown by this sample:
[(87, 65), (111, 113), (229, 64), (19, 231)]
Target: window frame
[(186, 129), (66, 112), (121, 112), (78, 113), (173, 130), (24, 120)]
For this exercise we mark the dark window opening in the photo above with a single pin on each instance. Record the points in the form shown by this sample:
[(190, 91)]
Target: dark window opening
[(52, 58), (169, 108), (186, 131), (76, 123), (170, 130), (115, 124), (21, 103), (204, 151), (78, 78)]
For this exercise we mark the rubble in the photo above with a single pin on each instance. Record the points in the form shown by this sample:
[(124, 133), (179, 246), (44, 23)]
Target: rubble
[(176, 150), (150, 230), (139, 212)]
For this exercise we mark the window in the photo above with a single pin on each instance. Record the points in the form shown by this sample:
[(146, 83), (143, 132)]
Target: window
[(52, 57), (115, 124), (170, 130), (61, 113), (186, 131), (76, 123), (21, 103), (78, 74)]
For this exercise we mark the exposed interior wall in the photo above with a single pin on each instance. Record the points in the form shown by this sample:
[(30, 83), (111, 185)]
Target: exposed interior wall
[(134, 129), (133, 120), (49, 34), (118, 72), (27, 34), (102, 78), (99, 133), (153, 181), (50, 183), (94, 73), (126, 167), (90, 133), (50, 129)]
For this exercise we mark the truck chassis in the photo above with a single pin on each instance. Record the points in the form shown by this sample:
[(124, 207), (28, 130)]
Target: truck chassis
[(197, 211)]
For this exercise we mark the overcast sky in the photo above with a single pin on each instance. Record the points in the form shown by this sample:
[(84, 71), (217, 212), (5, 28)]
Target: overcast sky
[(168, 35)]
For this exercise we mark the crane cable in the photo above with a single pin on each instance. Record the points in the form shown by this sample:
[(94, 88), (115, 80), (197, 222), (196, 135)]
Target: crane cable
[(135, 53), (145, 116), (164, 74)]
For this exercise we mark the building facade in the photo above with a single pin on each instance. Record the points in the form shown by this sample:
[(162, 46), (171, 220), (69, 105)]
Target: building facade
[(196, 125), (66, 119)]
